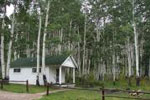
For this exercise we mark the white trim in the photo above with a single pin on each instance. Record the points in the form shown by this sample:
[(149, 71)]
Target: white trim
[(75, 63), (71, 64), (74, 76), (60, 74)]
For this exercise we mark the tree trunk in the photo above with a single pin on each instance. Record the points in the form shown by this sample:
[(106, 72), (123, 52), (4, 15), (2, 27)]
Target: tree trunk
[(136, 48), (15, 51), (2, 52), (78, 53), (61, 40), (10, 44), (70, 31), (129, 62), (149, 69), (44, 43), (38, 49), (114, 68), (84, 46)]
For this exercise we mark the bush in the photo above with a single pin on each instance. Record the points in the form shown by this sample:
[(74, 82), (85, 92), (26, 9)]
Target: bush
[(88, 81)]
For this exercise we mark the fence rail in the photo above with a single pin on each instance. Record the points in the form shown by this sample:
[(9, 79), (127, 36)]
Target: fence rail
[(2, 82), (104, 95)]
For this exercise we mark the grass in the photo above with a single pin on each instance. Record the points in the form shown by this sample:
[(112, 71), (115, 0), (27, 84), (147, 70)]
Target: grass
[(84, 95), (123, 84), (22, 88), (73, 95), (93, 95)]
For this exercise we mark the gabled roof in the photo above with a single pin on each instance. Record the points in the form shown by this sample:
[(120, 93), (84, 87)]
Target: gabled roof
[(32, 62), (70, 62)]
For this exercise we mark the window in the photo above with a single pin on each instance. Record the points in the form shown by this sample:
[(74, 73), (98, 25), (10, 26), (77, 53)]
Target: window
[(18, 70), (34, 70)]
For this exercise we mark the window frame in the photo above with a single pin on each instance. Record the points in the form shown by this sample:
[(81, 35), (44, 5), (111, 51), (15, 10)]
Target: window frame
[(34, 70), (17, 70)]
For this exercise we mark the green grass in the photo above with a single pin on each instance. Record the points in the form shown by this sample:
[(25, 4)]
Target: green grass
[(73, 95), (84, 95), (123, 84), (22, 88), (93, 95)]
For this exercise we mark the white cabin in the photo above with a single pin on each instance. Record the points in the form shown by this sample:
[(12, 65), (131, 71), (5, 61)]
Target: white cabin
[(25, 69)]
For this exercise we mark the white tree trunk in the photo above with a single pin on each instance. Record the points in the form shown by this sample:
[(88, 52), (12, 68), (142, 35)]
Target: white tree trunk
[(61, 39), (132, 59), (15, 52), (38, 45), (129, 59), (28, 51), (136, 50), (2, 52), (114, 68), (44, 38), (70, 31), (10, 44), (84, 46), (78, 52)]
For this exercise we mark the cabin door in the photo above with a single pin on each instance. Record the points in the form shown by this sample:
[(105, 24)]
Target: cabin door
[(57, 75)]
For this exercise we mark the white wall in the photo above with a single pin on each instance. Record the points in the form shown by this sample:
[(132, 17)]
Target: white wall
[(51, 74), (27, 74)]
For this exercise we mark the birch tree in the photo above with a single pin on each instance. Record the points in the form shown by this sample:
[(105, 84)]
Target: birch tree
[(129, 61), (136, 45), (38, 46), (44, 37), (2, 48), (10, 43), (84, 45)]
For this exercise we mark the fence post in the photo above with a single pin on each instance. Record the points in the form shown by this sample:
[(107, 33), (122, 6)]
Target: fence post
[(47, 92), (27, 86), (2, 84), (103, 93)]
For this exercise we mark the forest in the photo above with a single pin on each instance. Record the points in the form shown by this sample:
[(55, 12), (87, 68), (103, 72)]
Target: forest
[(109, 39)]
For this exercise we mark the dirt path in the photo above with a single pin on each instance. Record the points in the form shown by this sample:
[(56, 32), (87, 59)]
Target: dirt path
[(24, 96)]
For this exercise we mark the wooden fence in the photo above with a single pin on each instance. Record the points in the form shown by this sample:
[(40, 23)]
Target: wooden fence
[(103, 90), (104, 95), (2, 82)]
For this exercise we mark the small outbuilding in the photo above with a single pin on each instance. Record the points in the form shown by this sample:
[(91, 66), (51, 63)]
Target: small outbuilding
[(25, 69)]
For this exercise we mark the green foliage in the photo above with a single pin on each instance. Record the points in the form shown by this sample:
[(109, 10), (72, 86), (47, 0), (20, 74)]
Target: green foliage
[(88, 81)]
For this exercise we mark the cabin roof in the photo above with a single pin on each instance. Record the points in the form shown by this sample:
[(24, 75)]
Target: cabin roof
[(32, 62)]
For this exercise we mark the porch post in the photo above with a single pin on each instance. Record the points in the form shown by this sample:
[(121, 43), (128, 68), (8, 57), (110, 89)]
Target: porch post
[(74, 76), (60, 74)]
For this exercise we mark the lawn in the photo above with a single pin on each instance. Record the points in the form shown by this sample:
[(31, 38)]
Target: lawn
[(22, 88), (83, 95), (93, 95), (123, 84)]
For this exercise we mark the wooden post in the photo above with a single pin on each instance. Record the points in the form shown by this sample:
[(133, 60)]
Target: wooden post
[(27, 86), (103, 94), (47, 92), (2, 84)]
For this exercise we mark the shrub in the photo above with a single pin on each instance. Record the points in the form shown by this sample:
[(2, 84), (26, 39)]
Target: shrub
[(88, 81)]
